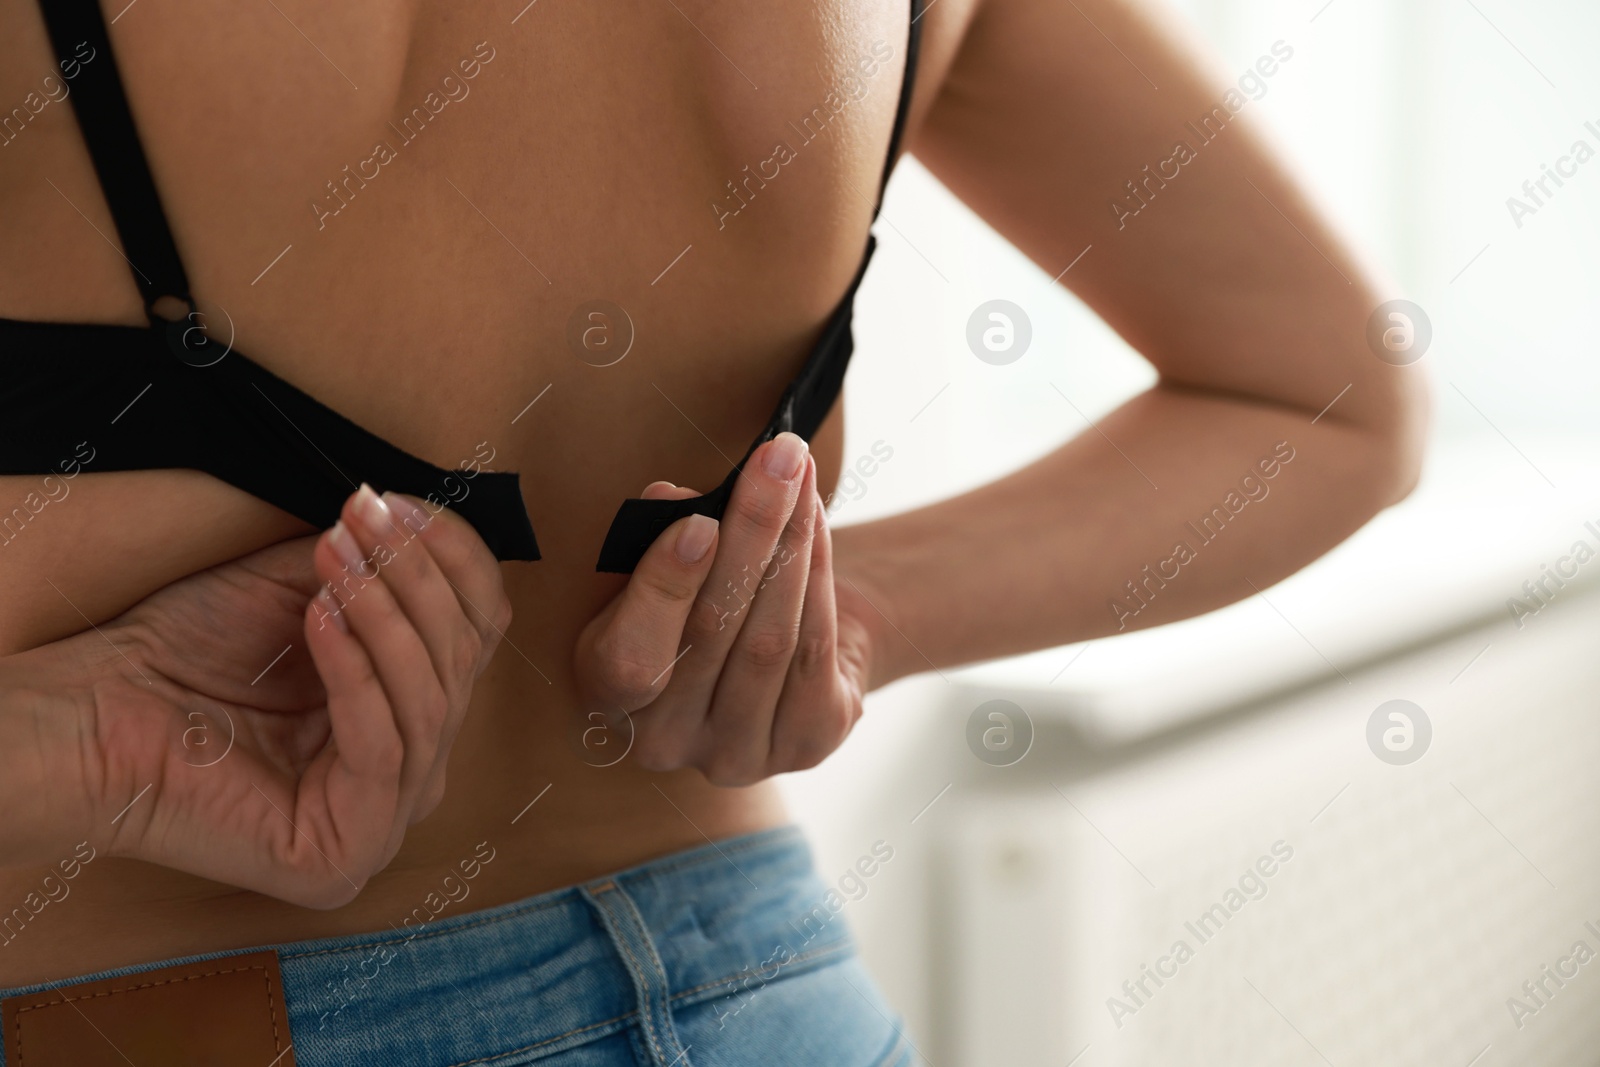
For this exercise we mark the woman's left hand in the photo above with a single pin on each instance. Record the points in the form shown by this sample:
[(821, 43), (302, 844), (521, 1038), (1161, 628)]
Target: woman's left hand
[(732, 649)]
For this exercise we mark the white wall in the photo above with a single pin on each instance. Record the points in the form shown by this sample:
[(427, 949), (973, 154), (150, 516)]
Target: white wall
[(1413, 121)]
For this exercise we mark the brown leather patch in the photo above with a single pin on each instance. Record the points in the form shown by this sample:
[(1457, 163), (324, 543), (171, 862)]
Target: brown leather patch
[(222, 1011)]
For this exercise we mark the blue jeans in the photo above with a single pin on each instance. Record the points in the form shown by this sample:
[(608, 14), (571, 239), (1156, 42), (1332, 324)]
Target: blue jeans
[(720, 956)]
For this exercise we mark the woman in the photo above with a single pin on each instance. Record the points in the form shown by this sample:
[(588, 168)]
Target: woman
[(590, 245)]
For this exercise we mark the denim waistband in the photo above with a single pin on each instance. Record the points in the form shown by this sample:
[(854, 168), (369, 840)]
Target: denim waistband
[(517, 982)]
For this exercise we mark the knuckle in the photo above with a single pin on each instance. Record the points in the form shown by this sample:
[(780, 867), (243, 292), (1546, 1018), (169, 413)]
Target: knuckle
[(465, 653), (491, 644), (767, 648), (728, 771), (840, 721), (628, 677), (435, 707), (766, 512), (811, 654), (803, 756), (666, 582), (823, 736), (388, 754), (426, 725), (430, 800), (808, 752)]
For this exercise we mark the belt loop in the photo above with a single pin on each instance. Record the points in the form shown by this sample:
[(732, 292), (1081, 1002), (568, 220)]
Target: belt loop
[(634, 946)]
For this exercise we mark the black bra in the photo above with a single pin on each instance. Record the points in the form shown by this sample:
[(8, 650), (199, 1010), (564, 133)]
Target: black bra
[(161, 396)]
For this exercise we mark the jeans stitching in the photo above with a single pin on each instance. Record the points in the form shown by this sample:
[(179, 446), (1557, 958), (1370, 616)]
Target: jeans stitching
[(646, 1010), (648, 941), (816, 953), (546, 1041)]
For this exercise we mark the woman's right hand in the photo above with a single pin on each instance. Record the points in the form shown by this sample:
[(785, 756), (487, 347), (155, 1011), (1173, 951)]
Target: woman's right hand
[(244, 726)]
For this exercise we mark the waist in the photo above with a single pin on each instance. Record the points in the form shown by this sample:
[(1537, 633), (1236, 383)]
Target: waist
[(550, 972), (507, 830)]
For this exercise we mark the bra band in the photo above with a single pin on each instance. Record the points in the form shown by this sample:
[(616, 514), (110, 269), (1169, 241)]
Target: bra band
[(138, 406)]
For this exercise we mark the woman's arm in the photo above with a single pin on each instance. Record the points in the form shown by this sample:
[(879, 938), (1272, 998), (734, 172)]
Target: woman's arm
[(1250, 306)]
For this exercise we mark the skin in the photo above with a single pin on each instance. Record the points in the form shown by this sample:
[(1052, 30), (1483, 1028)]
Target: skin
[(433, 308)]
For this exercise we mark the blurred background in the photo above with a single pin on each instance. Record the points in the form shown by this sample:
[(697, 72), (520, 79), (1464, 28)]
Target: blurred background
[(1434, 900)]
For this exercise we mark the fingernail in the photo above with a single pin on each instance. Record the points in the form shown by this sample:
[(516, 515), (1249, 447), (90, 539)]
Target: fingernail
[(695, 538), (373, 511), (785, 456), (413, 518), (344, 546), (332, 609)]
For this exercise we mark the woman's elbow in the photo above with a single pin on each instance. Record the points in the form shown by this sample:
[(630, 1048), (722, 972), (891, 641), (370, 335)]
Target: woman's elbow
[(1400, 433)]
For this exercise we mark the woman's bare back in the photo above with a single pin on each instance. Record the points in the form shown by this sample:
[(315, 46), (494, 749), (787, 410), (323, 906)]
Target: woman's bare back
[(401, 210)]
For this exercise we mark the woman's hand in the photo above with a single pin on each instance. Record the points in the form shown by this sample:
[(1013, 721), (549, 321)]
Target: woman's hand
[(732, 649), (245, 727)]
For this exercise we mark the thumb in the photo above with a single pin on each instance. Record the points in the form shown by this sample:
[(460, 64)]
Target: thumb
[(625, 660)]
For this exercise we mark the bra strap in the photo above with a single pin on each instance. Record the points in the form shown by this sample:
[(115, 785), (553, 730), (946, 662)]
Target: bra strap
[(804, 404), (78, 35)]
